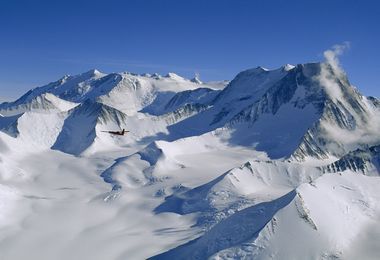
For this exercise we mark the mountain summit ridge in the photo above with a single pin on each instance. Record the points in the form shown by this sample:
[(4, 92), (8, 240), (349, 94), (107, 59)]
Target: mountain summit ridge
[(254, 106)]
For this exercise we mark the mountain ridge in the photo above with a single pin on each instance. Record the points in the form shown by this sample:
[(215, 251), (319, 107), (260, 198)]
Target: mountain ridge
[(251, 95)]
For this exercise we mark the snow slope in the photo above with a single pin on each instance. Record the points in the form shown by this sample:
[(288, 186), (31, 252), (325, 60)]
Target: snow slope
[(325, 219)]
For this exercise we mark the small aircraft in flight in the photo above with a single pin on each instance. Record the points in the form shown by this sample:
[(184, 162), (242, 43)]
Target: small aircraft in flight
[(122, 132)]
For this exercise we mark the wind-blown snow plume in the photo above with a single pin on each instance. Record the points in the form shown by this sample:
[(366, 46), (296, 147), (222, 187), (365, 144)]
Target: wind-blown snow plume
[(332, 55), (332, 68)]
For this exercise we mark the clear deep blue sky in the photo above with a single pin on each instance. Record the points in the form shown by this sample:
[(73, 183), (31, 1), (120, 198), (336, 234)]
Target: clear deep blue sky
[(40, 41)]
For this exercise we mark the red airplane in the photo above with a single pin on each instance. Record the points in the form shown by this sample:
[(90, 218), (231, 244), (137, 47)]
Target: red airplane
[(123, 132)]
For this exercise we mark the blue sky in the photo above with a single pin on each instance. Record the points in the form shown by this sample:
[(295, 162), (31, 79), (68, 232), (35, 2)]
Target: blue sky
[(40, 41)]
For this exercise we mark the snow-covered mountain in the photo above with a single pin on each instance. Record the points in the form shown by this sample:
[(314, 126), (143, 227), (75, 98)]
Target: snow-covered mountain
[(296, 111), (127, 92), (216, 170), (45, 102)]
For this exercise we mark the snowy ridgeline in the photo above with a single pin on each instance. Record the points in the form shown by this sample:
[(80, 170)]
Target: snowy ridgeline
[(276, 164)]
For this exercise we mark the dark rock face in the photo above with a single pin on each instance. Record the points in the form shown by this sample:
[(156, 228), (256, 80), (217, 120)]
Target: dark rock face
[(359, 160)]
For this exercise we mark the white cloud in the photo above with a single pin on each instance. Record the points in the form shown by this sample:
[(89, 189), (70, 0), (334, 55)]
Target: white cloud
[(327, 78), (331, 56)]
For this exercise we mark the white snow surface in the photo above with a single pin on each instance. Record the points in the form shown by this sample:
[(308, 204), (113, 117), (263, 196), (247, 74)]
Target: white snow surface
[(205, 171)]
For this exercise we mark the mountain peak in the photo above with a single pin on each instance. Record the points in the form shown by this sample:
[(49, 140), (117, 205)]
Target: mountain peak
[(260, 68), (196, 80), (174, 76), (287, 67), (254, 71), (92, 73), (146, 75), (156, 75)]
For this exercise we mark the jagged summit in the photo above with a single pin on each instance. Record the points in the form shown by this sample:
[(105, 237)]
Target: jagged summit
[(174, 76), (196, 80), (92, 73), (288, 67), (156, 76)]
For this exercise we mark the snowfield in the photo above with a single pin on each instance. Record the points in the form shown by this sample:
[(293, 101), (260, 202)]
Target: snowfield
[(276, 164)]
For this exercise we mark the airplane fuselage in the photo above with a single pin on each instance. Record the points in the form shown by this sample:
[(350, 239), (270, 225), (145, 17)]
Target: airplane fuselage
[(123, 132)]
